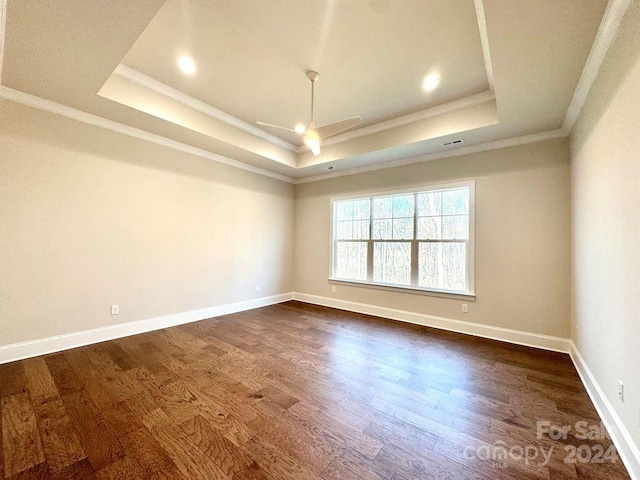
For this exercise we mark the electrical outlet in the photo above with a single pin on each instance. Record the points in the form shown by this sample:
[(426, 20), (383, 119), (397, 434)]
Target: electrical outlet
[(115, 309), (258, 288), (621, 391), (465, 308), (333, 289)]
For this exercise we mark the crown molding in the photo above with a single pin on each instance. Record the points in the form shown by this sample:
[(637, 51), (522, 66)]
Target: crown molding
[(163, 89), (456, 152), (607, 33), (150, 83), (90, 119), (470, 101), (84, 117), (484, 41), (3, 28)]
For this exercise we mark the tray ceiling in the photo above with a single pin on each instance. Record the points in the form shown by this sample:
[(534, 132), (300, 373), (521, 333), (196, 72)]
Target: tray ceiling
[(508, 68)]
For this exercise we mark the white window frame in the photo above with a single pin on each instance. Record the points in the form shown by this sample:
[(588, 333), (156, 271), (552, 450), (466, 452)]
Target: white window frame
[(470, 266)]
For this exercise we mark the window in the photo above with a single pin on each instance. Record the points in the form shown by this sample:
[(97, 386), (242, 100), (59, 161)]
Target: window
[(419, 240)]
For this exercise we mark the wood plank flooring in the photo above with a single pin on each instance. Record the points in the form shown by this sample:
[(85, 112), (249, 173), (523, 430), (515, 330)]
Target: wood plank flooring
[(295, 391)]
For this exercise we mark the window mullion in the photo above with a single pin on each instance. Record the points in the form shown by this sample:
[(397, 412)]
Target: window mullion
[(370, 261), (370, 244), (414, 263), (414, 243), (334, 257)]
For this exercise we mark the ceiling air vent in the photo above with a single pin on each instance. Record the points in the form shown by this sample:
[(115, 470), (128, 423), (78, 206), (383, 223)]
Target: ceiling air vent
[(452, 142)]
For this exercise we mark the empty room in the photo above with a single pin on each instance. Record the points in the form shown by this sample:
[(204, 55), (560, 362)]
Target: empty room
[(320, 239)]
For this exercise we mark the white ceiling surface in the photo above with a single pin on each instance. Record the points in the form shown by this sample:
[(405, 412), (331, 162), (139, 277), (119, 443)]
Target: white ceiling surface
[(252, 56)]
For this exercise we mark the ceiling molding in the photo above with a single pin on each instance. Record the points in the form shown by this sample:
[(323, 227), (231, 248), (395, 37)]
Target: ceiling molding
[(484, 41), (84, 117), (441, 109), (456, 152), (3, 27), (152, 84), (607, 33), (78, 115), (163, 89)]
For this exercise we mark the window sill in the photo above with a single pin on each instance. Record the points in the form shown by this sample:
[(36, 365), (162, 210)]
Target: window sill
[(416, 291)]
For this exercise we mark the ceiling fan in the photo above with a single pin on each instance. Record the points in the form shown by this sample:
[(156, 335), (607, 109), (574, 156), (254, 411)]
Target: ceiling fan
[(313, 134)]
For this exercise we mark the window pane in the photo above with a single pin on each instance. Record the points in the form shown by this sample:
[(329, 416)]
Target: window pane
[(455, 260), (351, 260), (344, 230), (352, 230), (429, 228), (392, 262), (455, 227), (429, 271), (403, 228), (383, 207), (455, 202), (442, 265), (361, 209), (429, 204), (361, 230), (382, 229), (403, 206), (344, 210)]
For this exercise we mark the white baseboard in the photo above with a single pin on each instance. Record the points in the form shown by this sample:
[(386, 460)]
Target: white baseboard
[(556, 344), (33, 348), (627, 449)]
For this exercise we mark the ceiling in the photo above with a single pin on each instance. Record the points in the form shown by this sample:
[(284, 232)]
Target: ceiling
[(252, 56), (508, 69)]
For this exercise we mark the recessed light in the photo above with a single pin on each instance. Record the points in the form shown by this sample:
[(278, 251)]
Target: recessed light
[(431, 82), (300, 128), (187, 65)]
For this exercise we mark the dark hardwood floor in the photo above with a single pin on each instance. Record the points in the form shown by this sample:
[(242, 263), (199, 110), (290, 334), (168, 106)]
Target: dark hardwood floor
[(294, 391)]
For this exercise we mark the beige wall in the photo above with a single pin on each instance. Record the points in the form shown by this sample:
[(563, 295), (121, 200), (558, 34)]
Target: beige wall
[(605, 174), (522, 236), (90, 218)]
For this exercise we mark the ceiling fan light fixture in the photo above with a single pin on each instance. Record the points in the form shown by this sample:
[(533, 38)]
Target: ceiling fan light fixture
[(312, 140), (313, 134)]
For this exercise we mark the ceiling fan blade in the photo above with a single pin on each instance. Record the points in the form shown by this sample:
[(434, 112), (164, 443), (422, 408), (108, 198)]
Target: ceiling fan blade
[(326, 131), (276, 126), (312, 140), (315, 149)]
